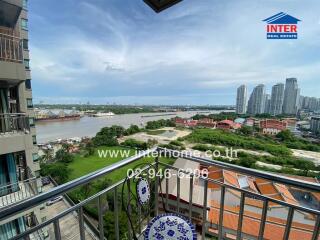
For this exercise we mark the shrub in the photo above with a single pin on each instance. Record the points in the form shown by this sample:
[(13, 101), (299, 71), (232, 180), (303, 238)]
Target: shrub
[(133, 143)]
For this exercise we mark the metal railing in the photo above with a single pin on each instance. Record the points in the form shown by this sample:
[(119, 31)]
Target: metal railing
[(163, 200), (10, 48), (14, 122), (15, 192)]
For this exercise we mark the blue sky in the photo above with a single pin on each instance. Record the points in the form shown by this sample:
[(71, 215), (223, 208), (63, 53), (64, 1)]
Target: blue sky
[(197, 52)]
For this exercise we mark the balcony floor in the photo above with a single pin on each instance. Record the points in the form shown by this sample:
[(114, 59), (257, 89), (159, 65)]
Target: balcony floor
[(69, 225)]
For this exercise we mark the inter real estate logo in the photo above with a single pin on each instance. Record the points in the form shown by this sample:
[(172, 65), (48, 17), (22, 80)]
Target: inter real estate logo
[(282, 26)]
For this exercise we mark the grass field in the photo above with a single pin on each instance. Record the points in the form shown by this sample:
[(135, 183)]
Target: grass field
[(85, 165)]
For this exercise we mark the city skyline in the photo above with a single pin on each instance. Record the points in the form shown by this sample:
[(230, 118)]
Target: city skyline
[(122, 54), (283, 99)]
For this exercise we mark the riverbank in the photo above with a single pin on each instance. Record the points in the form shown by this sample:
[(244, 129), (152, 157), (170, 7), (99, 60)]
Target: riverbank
[(88, 127)]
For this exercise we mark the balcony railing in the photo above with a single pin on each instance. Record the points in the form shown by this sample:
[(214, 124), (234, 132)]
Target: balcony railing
[(10, 48), (193, 198), (17, 122), (16, 192)]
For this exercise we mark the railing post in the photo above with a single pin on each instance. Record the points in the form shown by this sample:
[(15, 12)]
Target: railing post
[(289, 223), (204, 213), (242, 202), (100, 214), (116, 212), (316, 230), (223, 192), (263, 219), (156, 187), (167, 194), (57, 232), (129, 209), (178, 193), (81, 224), (190, 196)]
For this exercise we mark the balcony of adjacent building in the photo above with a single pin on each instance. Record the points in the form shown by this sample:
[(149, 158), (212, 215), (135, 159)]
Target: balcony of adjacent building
[(21, 224), (216, 200), (14, 125), (17, 182), (12, 63)]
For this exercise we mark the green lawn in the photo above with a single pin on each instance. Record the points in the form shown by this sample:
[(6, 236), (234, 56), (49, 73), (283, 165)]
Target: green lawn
[(84, 165)]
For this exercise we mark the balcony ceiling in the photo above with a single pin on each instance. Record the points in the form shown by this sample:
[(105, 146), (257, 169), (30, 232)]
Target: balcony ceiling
[(9, 12), (160, 5)]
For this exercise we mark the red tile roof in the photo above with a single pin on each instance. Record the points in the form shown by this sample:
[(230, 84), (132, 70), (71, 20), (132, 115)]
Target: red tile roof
[(274, 228)]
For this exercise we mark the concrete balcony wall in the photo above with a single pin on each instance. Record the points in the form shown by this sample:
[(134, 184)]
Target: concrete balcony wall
[(12, 72), (15, 142)]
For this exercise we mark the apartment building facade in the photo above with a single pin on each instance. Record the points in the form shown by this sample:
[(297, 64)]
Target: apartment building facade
[(19, 166), (256, 104), (241, 106)]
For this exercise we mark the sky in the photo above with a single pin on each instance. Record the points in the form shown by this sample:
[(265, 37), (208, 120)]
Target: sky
[(197, 52)]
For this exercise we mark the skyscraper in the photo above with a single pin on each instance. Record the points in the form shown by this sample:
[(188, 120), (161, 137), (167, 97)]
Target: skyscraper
[(241, 106), (256, 102), (19, 161), (315, 124), (313, 104), (291, 97), (277, 96), (267, 103)]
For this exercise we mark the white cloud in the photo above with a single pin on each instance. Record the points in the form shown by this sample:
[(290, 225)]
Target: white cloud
[(203, 46)]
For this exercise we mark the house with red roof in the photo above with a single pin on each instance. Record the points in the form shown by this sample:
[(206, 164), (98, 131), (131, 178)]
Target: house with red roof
[(228, 125), (272, 126), (182, 122)]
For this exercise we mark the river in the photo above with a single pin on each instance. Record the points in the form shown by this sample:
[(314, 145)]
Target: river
[(89, 126)]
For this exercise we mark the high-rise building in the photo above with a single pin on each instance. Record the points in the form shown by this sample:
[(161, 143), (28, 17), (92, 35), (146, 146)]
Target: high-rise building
[(241, 106), (277, 96), (256, 102), (315, 125), (19, 166), (305, 102), (313, 104), (267, 103), (291, 97)]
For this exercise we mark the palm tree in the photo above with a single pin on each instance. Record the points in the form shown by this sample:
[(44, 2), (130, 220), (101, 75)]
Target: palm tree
[(47, 156)]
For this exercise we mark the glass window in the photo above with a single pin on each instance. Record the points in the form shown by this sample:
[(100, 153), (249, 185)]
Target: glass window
[(25, 44), (24, 24), (35, 157), (34, 139), (25, 4), (26, 63), (28, 84), (31, 122), (29, 103)]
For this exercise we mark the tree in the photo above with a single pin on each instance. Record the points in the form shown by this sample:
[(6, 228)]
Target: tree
[(107, 136), (285, 135), (66, 147), (89, 148), (60, 172), (133, 143), (47, 155), (105, 140), (246, 130), (132, 130), (63, 156)]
